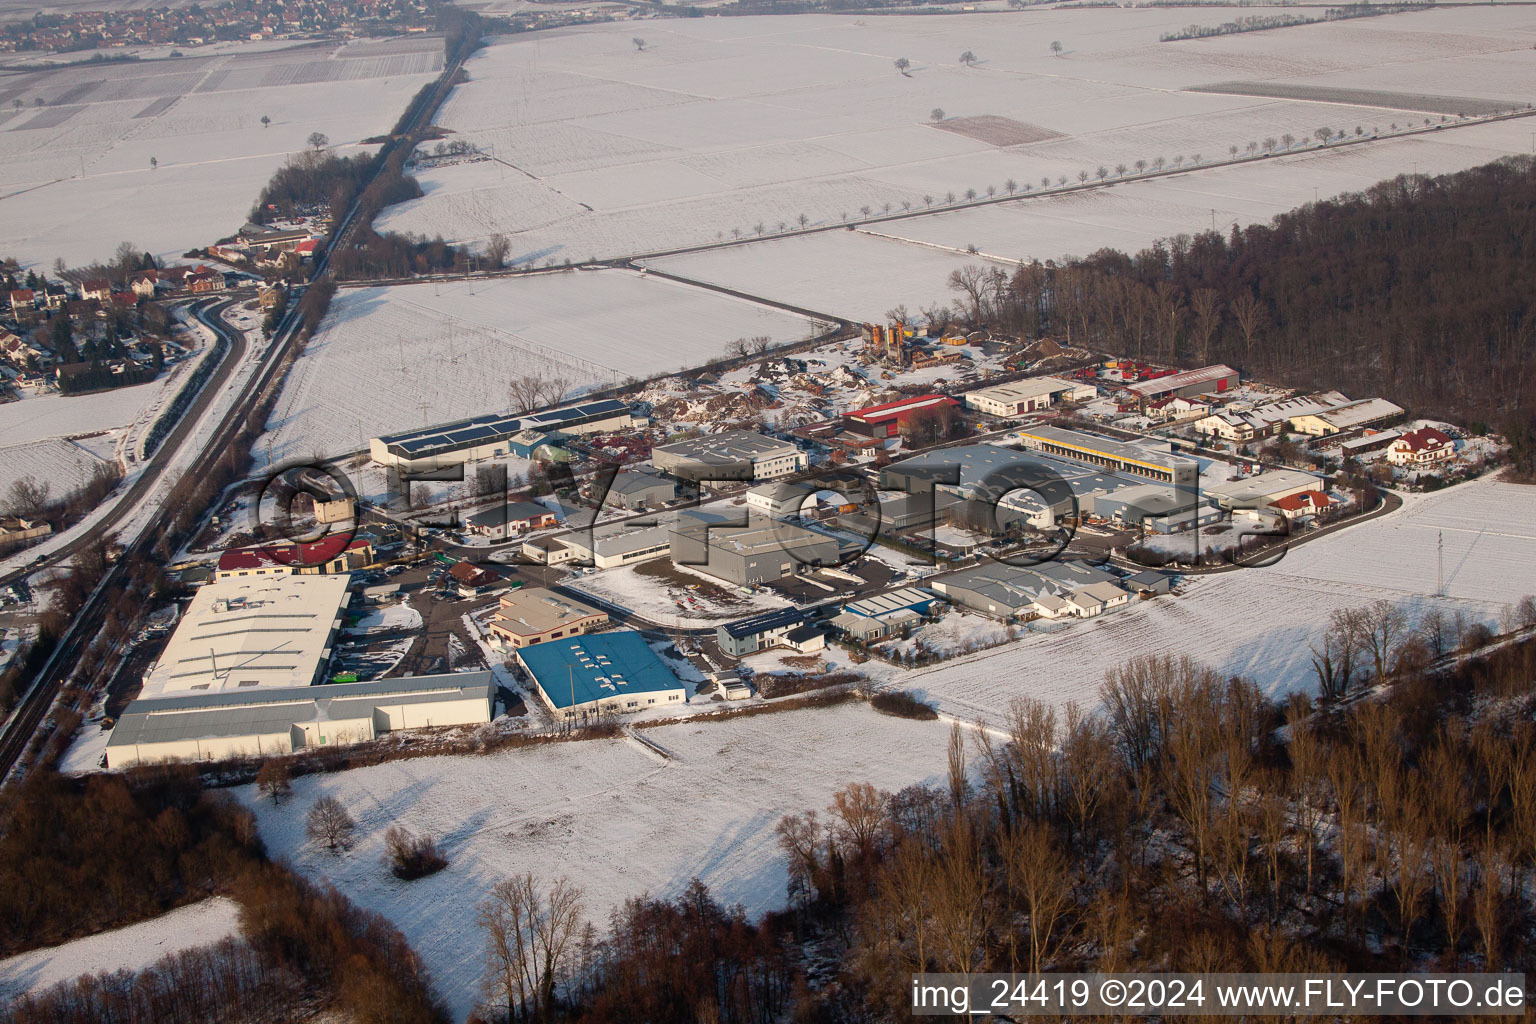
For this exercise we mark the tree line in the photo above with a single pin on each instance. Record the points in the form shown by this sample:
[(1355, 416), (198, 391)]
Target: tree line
[(1415, 289), (158, 840), (1194, 826)]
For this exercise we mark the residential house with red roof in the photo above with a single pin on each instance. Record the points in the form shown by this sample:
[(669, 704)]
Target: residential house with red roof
[(1420, 447)]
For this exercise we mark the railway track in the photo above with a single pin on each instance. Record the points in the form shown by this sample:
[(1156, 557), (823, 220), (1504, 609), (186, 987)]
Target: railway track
[(32, 711)]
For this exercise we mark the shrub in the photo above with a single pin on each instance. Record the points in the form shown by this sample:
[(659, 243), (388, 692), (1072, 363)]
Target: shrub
[(903, 705), (411, 856)]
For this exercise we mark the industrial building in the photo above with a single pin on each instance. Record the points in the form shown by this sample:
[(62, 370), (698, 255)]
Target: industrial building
[(1029, 395), (263, 631), (884, 615), (1204, 381), (535, 616), (608, 547), (280, 720), (732, 455), (963, 469), (751, 553), (783, 627), (484, 437), (1120, 456), (510, 518), (611, 673), (1367, 412), (1155, 508), (637, 491), (1261, 489), (779, 500), (886, 420), (338, 554), (1006, 592)]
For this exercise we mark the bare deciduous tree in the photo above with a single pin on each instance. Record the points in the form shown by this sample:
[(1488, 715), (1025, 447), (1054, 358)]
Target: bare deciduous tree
[(531, 937), (329, 823)]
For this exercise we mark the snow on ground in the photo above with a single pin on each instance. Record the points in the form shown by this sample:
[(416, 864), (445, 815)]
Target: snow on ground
[(1258, 622), (872, 275), (63, 464), (398, 615), (656, 600), (611, 815), (76, 170), (396, 358), (721, 125), (33, 419), (1131, 215), (131, 948)]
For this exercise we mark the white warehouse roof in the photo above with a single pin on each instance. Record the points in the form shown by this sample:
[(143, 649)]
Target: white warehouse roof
[(252, 631)]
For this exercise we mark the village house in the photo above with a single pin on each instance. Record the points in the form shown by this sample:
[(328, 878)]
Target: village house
[(1421, 447)]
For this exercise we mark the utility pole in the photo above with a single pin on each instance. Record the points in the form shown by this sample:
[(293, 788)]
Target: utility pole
[(1440, 571)]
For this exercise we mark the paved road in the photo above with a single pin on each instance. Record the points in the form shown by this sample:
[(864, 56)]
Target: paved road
[(287, 341), (207, 314)]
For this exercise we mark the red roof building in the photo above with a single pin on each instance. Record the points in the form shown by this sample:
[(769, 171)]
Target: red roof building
[(1417, 447), (340, 553), (1294, 506), (886, 420)]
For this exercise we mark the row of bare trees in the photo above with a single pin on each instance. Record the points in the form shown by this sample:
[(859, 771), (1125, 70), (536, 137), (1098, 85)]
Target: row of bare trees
[(1366, 645), (684, 960)]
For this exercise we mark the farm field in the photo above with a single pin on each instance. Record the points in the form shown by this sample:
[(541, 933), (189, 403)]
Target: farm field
[(1258, 622), (612, 815), (75, 175), (394, 358), (63, 463), (131, 948), (847, 273), (719, 125)]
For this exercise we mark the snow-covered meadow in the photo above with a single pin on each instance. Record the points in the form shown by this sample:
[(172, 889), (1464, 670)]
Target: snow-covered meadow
[(394, 358), (719, 125), (612, 815), (131, 948), (75, 174)]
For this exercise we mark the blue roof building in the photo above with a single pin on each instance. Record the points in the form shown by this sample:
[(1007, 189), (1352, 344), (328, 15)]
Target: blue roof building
[(601, 672)]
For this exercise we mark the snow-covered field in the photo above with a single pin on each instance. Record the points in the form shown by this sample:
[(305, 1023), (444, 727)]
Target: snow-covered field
[(845, 273), (611, 815), (75, 174), (132, 948), (1258, 622), (395, 358), (719, 125), (64, 464), (34, 419)]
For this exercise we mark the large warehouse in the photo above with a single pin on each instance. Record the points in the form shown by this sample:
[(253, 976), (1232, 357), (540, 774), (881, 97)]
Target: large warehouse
[(1207, 380), (1029, 395), (265, 721), (729, 455), (751, 553), (484, 437), (1256, 491), (1120, 456), (260, 631), (609, 672), (886, 420)]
